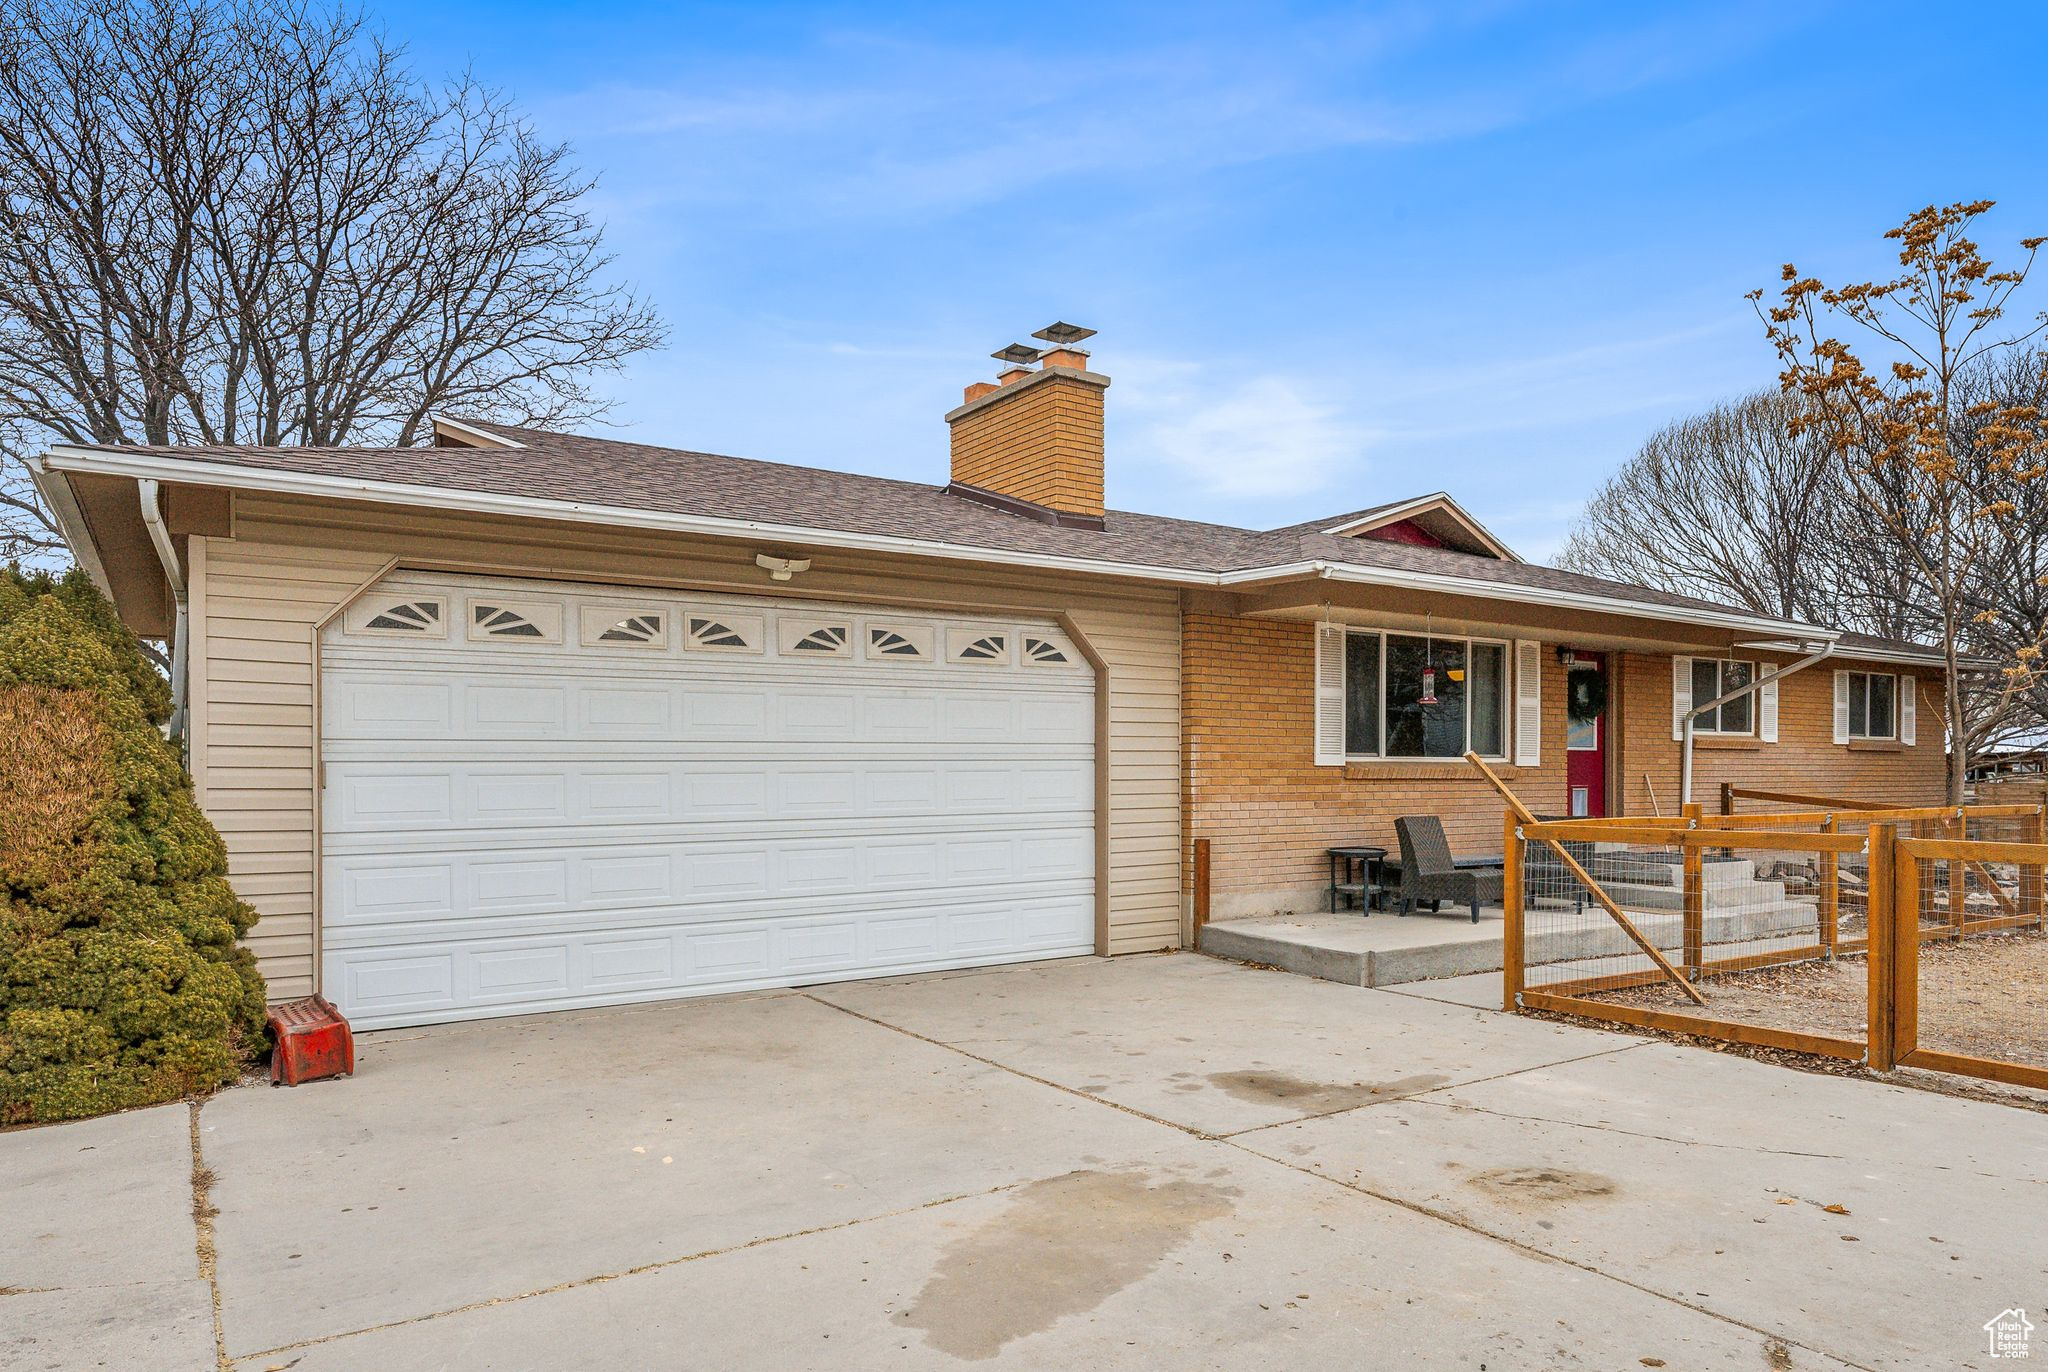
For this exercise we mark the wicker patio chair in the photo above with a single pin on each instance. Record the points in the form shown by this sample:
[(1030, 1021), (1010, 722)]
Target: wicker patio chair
[(1429, 873)]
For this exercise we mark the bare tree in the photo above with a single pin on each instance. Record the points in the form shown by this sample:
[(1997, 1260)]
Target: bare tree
[(245, 221), (1731, 505), (1936, 464), (1726, 505), (28, 535)]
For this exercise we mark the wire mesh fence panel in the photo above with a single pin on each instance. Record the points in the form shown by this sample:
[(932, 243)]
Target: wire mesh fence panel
[(1571, 944), (1975, 998), (1731, 940)]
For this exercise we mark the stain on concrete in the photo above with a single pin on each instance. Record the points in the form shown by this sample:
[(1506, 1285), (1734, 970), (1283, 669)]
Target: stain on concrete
[(1542, 1184), (1318, 1097), (1061, 1247)]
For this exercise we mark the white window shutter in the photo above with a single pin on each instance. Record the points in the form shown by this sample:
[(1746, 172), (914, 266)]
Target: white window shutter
[(1329, 720), (1681, 695), (1909, 708), (1767, 712), (1841, 707), (1528, 702)]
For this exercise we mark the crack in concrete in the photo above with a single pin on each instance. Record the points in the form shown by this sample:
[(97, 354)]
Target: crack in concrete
[(1015, 1071), (601, 1278), (1541, 1255), (1434, 1090), (1627, 1133), (203, 1214)]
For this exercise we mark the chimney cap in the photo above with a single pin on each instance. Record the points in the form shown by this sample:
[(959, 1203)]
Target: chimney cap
[(1018, 354), (1061, 333)]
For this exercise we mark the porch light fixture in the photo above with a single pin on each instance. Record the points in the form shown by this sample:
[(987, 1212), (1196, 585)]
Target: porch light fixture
[(781, 568)]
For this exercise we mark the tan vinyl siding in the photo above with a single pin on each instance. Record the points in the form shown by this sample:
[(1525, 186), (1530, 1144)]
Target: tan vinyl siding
[(293, 563)]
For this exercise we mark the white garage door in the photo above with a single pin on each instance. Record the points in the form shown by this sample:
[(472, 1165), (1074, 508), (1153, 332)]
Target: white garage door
[(540, 796)]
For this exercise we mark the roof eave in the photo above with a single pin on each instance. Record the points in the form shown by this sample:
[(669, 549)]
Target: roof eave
[(1598, 602), (55, 489)]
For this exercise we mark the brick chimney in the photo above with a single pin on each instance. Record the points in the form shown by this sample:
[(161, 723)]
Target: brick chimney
[(1031, 441)]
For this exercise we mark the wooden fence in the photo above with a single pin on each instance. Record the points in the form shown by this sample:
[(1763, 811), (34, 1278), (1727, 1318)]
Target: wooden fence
[(1881, 879)]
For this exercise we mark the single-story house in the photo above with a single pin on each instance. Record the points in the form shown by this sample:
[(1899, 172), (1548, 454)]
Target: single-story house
[(532, 720)]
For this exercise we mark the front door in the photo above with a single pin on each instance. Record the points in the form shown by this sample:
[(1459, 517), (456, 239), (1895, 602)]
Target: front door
[(1586, 734)]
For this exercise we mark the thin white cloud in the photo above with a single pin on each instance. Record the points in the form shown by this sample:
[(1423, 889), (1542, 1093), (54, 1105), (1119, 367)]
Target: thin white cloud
[(866, 124), (1266, 436)]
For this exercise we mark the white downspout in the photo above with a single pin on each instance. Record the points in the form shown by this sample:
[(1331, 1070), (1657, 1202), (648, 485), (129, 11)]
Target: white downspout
[(1685, 749), (153, 519)]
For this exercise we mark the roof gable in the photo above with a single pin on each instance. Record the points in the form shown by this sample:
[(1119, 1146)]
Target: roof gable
[(1428, 521)]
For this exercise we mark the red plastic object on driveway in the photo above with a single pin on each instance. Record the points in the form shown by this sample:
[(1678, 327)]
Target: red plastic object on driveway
[(312, 1040)]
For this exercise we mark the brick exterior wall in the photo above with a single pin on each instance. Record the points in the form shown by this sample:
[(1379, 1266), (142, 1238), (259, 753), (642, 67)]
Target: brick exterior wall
[(1252, 788), (1805, 758), (1039, 440)]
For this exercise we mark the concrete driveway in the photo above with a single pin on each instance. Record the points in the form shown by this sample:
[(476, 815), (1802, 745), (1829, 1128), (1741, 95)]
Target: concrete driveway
[(1153, 1161)]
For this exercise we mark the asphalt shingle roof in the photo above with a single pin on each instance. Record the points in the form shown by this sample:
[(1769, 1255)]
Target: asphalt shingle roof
[(617, 473)]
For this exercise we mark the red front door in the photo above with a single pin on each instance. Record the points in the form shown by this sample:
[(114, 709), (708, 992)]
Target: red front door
[(1585, 767)]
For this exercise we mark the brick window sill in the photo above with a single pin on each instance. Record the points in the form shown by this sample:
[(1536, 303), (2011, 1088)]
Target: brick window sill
[(1725, 745), (1877, 745), (1447, 770)]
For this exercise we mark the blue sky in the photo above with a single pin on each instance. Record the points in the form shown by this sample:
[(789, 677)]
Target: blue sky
[(1336, 254)]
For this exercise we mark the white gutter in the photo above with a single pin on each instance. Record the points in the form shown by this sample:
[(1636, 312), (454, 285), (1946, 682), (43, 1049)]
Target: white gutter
[(1351, 572), (1825, 650), (153, 519), (142, 466)]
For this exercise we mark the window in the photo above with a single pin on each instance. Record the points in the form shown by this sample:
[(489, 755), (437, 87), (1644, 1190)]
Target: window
[(911, 641), (1042, 652), (1713, 677), (623, 626), (1385, 710), (718, 632), (971, 645), (532, 622), (815, 637), (1873, 705), (403, 617)]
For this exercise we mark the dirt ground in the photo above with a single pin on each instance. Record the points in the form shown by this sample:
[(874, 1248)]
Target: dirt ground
[(1986, 996)]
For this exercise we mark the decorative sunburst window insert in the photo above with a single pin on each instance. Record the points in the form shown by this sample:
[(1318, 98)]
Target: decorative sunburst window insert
[(899, 642), (802, 636), (1043, 651), (410, 616), (983, 647), (714, 631), (514, 621), (619, 626)]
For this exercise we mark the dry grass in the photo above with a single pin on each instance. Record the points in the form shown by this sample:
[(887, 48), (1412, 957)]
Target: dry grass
[(1986, 996)]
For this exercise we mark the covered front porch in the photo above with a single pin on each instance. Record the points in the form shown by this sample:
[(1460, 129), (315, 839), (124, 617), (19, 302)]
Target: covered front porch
[(1739, 907)]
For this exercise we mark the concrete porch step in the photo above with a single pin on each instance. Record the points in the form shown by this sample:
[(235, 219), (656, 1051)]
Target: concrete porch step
[(1390, 950), (1381, 951)]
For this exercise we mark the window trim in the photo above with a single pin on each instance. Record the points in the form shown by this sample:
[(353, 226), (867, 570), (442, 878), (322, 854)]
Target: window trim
[(1867, 678), (1699, 725), (1507, 697)]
